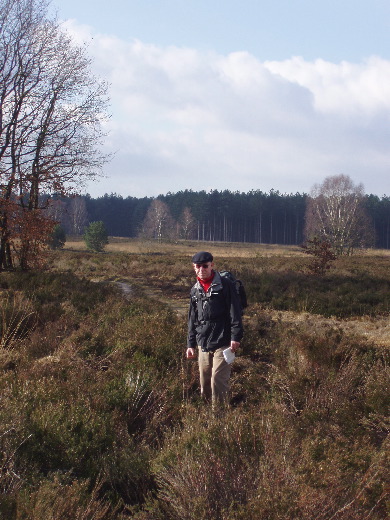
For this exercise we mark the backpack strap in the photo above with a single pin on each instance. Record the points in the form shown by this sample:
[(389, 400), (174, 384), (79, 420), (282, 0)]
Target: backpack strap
[(199, 302)]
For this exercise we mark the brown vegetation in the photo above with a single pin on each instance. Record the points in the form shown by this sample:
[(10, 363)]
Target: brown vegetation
[(101, 416)]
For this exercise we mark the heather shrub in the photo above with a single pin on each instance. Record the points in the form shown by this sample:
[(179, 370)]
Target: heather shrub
[(10, 480), (58, 408), (355, 287), (209, 467), (60, 496), (101, 415), (128, 479), (376, 399), (49, 292), (332, 295)]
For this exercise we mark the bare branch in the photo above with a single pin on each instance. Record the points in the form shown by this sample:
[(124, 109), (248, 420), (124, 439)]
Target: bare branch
[(335, 213), (51, 111)]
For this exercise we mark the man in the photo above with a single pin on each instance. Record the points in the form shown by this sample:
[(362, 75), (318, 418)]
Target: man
[(214, 324)]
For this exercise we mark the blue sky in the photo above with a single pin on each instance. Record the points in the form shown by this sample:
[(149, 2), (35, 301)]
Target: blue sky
[(240, 95)]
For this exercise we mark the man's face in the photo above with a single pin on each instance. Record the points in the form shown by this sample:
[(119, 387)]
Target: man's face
[(204, 270)]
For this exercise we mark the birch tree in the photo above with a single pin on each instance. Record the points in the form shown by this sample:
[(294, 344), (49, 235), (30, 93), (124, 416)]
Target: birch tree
[(158, 223), (78, 215), (335, 213), (186, 224)]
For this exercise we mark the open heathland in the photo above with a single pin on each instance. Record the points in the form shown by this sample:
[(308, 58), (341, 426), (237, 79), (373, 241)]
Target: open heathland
[(100, 415)]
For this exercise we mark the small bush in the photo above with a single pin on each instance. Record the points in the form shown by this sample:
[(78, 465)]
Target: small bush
[(323, 254), (96, 236), (211, 468), (58, 238)]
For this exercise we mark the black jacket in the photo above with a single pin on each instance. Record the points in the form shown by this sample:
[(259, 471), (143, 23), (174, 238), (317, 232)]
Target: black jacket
[(214, 318)]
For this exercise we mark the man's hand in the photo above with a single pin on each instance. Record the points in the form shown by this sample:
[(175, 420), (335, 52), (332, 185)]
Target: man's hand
[(191, 353), (234, 346)]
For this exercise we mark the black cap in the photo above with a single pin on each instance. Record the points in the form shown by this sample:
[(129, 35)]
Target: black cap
[(202, 257)]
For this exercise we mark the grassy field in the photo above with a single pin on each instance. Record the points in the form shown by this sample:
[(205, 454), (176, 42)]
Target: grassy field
[(134, 245), (100, 411), (182, 248)]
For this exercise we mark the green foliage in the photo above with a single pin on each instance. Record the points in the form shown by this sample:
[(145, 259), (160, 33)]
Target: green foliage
[(58, 238), (96, 236)]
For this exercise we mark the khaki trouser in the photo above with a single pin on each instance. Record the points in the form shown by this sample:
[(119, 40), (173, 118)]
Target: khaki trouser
[(214, 375)]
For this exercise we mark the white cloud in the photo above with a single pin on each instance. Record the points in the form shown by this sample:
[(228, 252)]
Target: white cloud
[(189, 119), (344, 88)]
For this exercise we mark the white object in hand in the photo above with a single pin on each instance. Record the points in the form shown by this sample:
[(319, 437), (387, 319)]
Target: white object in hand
[(229, 355)]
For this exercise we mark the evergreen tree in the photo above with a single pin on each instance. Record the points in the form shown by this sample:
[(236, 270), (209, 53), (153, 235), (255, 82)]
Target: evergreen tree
[(95, 236), (57, 238)]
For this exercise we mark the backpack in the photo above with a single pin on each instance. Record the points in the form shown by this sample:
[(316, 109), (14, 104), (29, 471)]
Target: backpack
[(239, 288)]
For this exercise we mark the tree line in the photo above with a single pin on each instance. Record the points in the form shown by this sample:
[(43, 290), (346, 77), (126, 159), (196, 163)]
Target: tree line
[(255, 216)]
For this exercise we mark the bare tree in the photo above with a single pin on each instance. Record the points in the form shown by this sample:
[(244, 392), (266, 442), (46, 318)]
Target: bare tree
[(78, 215), (335, 213), (51, 110), (56, 210), (186, 224), (158, 223)]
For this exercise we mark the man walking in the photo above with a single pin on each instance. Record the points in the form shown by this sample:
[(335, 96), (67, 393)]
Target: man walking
[(214, 324)]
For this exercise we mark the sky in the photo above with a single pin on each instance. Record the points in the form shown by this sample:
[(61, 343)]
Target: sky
[(239, 94)]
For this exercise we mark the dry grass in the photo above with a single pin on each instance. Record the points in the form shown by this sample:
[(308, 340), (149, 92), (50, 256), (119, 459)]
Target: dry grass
[(375, 330), (188, 248)]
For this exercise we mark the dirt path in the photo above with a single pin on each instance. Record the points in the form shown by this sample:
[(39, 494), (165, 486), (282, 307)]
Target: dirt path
[(179, 306), (126, 289)]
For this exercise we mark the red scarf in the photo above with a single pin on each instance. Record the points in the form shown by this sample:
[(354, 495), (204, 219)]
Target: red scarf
[(206, 283)]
